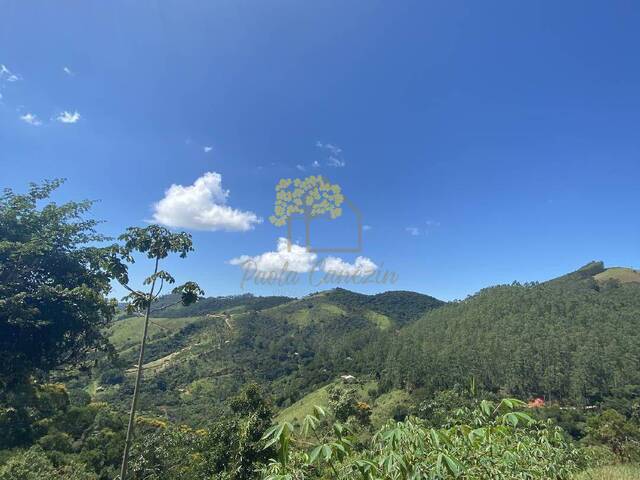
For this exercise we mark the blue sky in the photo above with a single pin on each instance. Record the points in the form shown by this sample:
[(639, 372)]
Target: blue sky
[(484, 142)]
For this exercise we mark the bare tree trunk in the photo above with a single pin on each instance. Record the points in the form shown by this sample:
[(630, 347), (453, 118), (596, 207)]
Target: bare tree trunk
[(136, 390)]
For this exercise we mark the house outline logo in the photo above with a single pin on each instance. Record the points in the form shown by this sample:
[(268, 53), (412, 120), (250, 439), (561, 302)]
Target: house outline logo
[(311, 198)]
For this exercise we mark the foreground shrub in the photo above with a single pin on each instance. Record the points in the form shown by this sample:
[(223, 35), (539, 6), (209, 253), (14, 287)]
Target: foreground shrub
[(500, 442), (33, 464)]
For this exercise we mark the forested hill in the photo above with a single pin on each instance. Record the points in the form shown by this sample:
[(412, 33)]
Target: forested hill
[(200, 355), (575, 338), (169, 306)]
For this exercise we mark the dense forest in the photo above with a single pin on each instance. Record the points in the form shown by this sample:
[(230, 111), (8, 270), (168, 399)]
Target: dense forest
[(335, 384), (572, 340)]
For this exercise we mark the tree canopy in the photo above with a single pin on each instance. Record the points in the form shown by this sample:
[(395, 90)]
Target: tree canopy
[(53, 287)]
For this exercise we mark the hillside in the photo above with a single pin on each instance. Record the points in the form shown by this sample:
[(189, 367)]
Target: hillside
[(619, 274), (291, 346), (572, 339)]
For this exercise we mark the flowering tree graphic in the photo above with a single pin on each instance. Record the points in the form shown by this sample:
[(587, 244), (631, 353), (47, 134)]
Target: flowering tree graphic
[(312, 197)]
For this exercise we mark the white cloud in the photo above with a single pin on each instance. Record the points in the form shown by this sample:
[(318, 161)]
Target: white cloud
[(361, 267), (207, 149), (333, 152), (300, 260), (68, 71), (336, 162), (31, 119), (417, 231), (330, 147), (6, 74), (68, 117), (301, 167), (202, 206), (315, 164)]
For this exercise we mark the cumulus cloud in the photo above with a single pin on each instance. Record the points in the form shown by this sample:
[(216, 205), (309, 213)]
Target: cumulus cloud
[(68, 117), (207, 148), (300, 260), (202, 206), (361, 267), (31, 119)]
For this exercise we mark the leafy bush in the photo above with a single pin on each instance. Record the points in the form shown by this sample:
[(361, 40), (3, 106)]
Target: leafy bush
[(229, 449), (33, 464), (501, 441)]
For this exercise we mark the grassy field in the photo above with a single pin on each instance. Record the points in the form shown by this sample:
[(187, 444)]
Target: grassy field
[(614, 472), (126, 333), (382, 321), (623, 275), (304, 406), (384, 406), (320, 397)]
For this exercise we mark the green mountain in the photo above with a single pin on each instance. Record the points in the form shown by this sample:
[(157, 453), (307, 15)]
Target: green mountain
[(574, 339), (200, 355)]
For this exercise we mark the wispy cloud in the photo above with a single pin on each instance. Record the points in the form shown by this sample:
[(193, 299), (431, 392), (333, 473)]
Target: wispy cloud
[(301, 167), (366, 227), (8, 76), (333, 152), (68, 117), (334, 149), (202, 206), (207, 148), (430, 225), (68, 71), (336, 162), (31, 119)]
